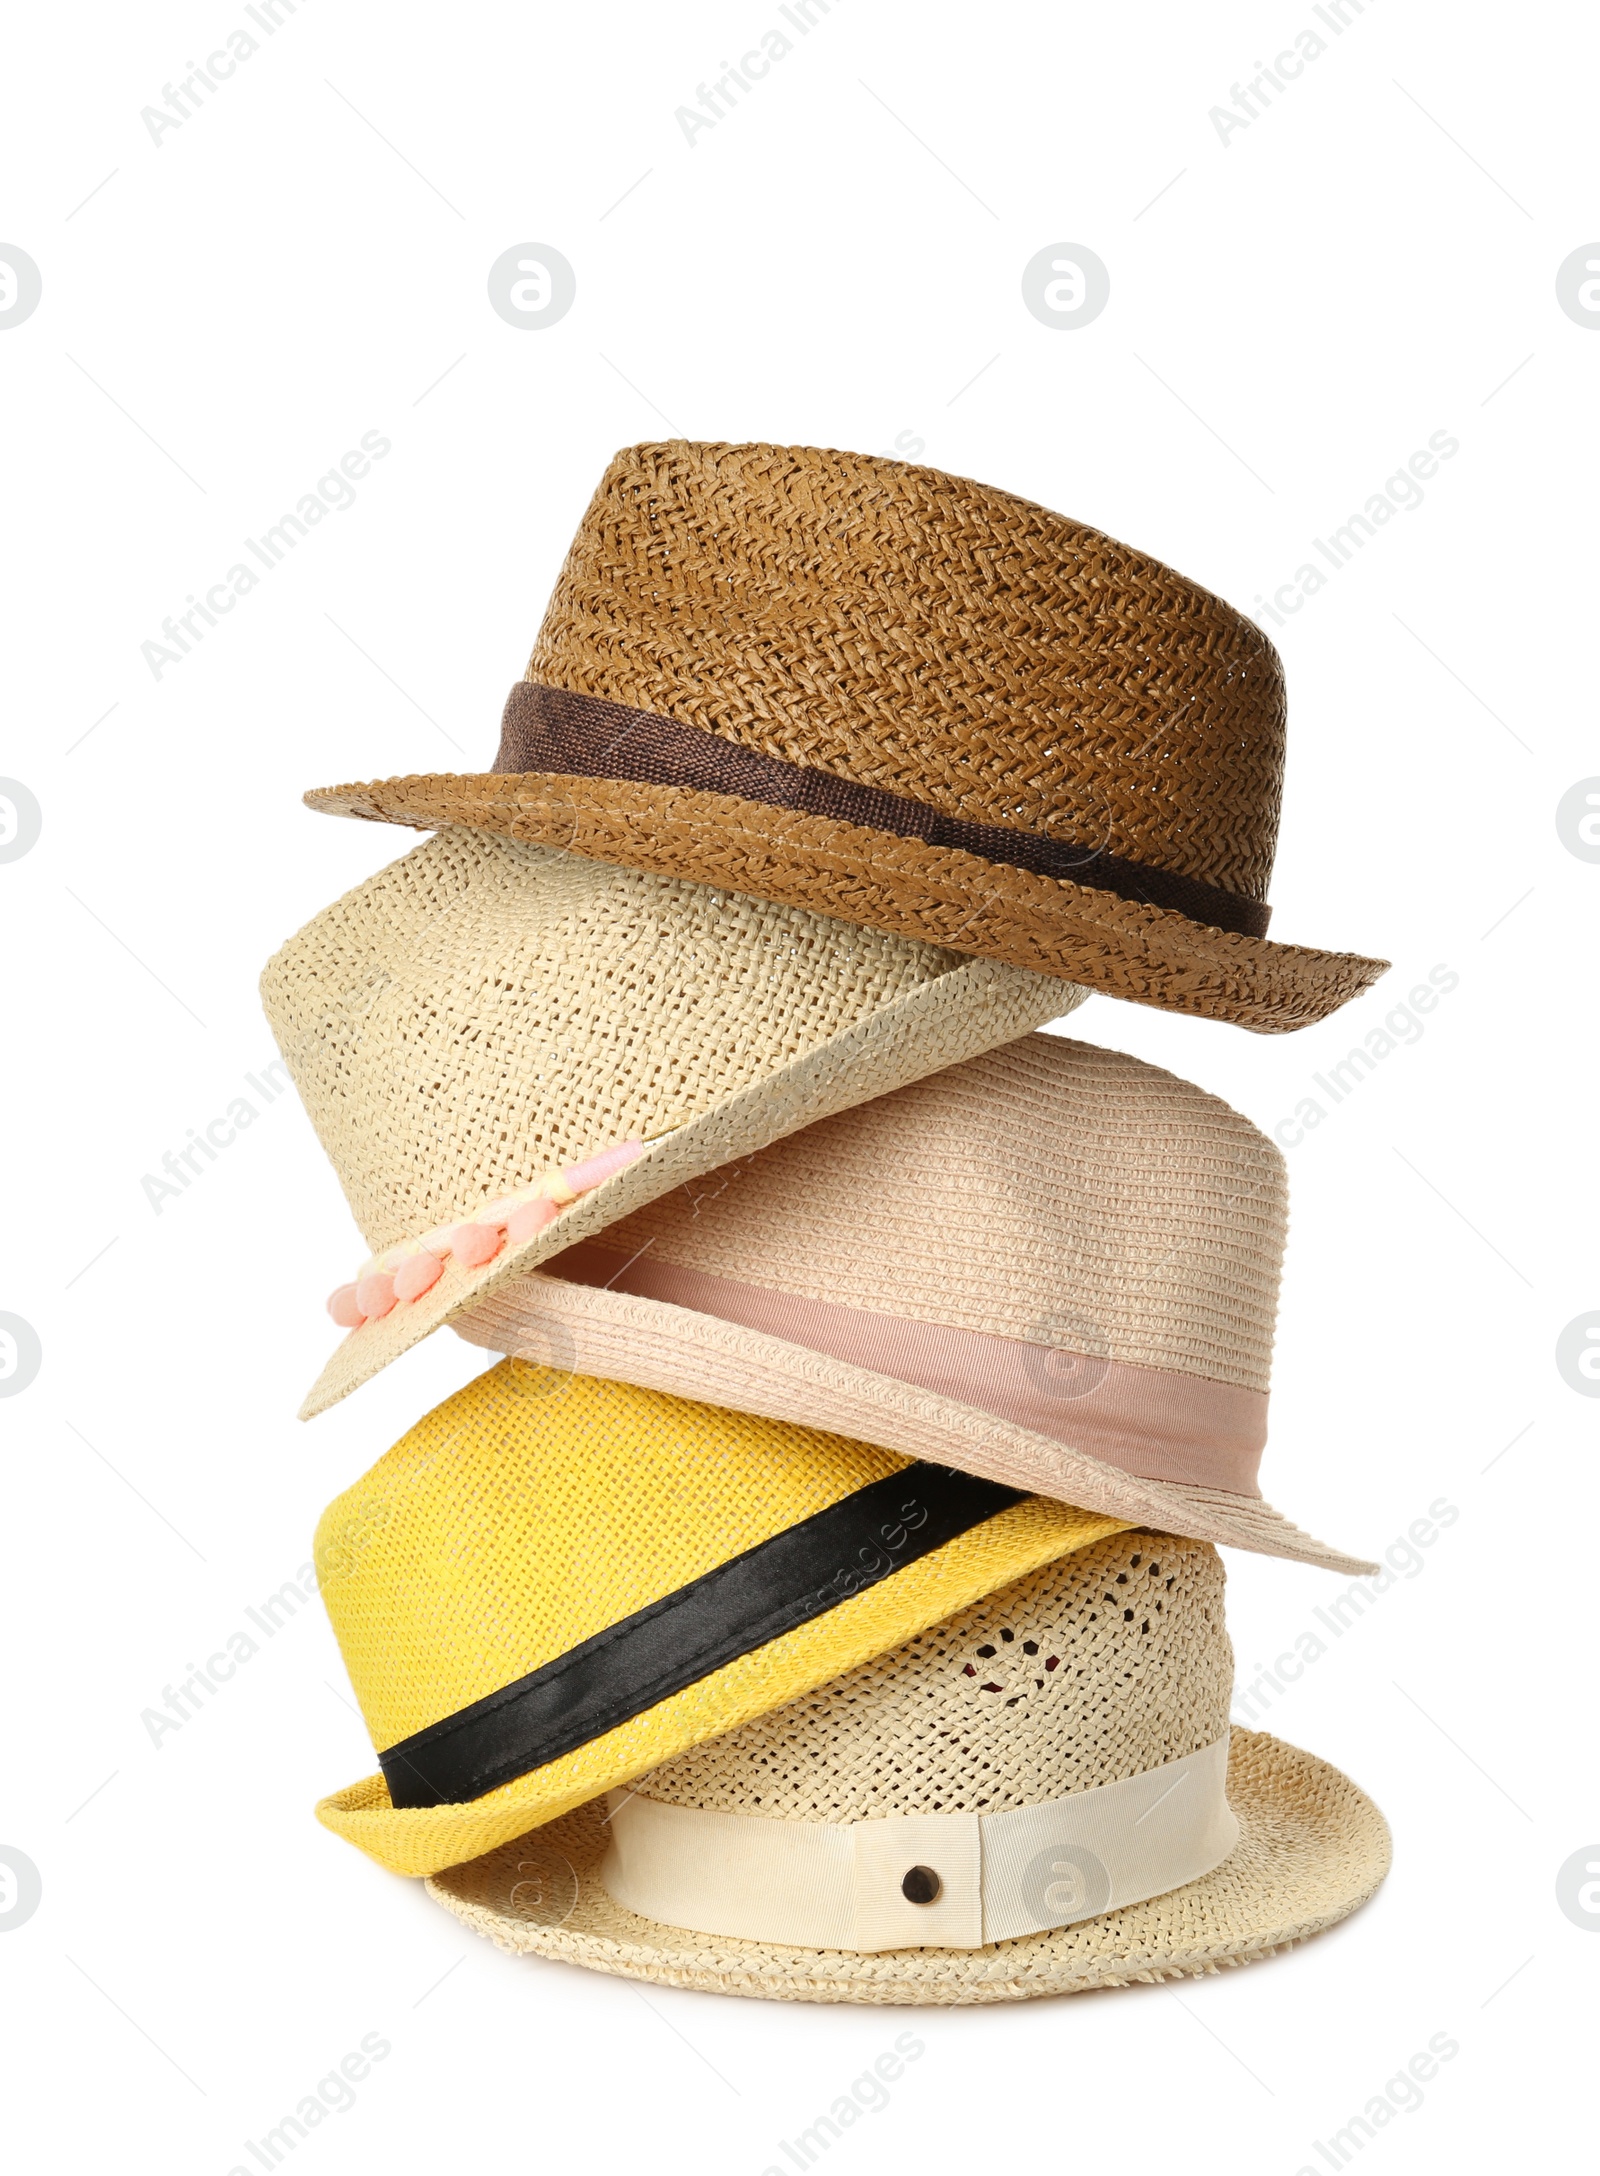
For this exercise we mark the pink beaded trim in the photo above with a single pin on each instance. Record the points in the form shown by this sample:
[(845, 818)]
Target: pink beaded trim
[(403, 1273)]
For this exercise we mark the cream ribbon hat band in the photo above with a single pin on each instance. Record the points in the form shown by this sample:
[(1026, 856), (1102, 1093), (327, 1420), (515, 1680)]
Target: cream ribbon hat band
[(923, 1881)]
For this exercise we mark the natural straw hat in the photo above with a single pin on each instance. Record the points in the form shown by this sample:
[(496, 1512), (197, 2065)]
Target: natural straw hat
[(550, 1585), (1036, 1796), (912, 701), (485, 1031), (1053, 1265)]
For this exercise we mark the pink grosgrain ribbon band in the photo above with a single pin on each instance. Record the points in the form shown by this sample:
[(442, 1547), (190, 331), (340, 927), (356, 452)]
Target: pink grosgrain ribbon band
[(1157, 1423)]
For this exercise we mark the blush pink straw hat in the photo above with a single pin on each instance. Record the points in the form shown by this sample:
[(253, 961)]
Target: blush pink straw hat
[(1051, 1265)]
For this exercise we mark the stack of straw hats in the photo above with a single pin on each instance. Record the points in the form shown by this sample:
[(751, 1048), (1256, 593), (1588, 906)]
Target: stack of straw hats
[(819, 1598)]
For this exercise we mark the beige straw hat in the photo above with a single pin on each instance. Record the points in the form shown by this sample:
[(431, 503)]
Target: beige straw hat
[(912, 701), (503, 1047), (1039, 1795), (1052, 1265)]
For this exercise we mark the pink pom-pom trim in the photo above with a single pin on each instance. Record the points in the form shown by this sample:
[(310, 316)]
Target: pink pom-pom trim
[(530, 1218), (417, 1274), (474, 1244), (412, 1267), (595, 1169), (375, 1296)]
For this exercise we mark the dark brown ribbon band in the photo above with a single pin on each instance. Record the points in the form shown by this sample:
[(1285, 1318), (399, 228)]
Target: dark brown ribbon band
[(583, 736)]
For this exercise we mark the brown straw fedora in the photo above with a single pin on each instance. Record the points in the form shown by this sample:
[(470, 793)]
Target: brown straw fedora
[(917, 703), (503, 1047), (1052, 1265), (1039, 1795)]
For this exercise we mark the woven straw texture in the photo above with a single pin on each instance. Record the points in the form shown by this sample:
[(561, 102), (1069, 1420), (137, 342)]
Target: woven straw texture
[(1312, 1848), (481, 1011), (1051, 1192), (943, 641), (914, 1732), (532, 1510), (933, 637), (1099, 1666)]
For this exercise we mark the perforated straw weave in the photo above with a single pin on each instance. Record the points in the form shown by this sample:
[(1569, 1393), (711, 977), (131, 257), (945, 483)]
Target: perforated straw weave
[(1095, 1667), (858, 624), (481, 1011), (1117, 1661)]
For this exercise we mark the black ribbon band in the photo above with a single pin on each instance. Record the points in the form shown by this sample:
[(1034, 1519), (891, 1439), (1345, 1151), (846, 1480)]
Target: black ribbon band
[(617, 1674), (584, 736)]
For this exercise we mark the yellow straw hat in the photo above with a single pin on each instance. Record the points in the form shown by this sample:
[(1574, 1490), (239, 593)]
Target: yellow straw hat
[(552, 1585)]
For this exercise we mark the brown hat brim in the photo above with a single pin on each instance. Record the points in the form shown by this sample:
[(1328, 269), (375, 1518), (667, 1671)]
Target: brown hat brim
[(904, 887), (1312, 1848)]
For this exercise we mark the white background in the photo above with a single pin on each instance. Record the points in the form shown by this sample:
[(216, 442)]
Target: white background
[(837, 262)]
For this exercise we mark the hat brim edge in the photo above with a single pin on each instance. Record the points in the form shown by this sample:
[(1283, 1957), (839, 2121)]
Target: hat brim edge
[(943, 895), (1340, 1837), (864, 1059), (1008, 1546), (659, 1346)]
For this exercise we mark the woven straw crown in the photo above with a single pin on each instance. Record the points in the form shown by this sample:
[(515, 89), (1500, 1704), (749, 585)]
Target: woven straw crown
[(913, 701), (1098, 1666), (482, 1011), (933, 637), (1053, 1191)]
